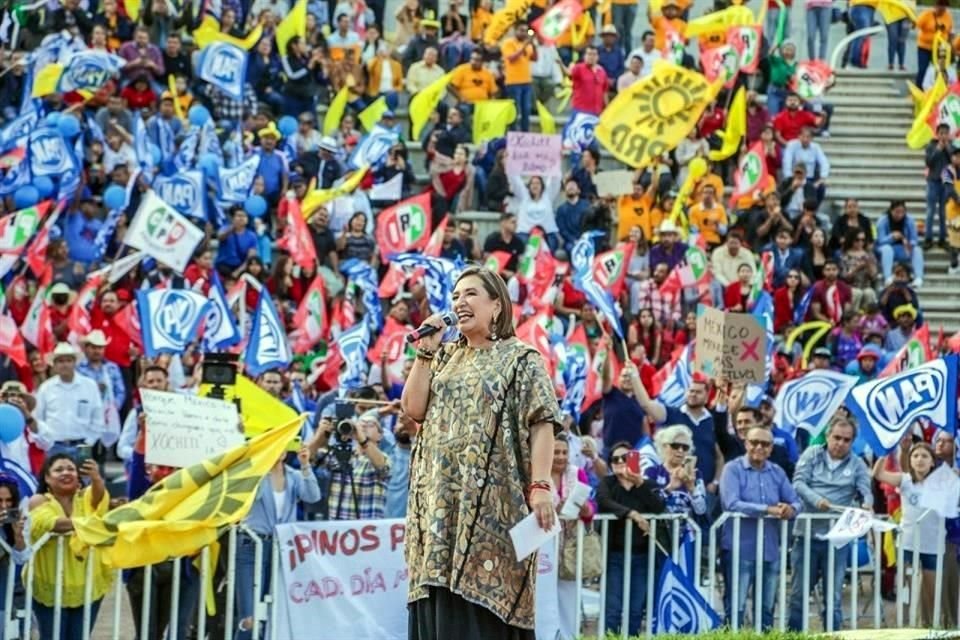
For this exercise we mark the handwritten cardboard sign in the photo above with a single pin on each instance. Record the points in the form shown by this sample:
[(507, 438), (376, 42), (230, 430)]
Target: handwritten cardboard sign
[(534, 154), (613, 183), (730, 345), (183, 430)]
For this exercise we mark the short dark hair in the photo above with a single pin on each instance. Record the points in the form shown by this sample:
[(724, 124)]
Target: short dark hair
[(647, 33), (622, 444), (155, 368), (753, 411), (832, 261)]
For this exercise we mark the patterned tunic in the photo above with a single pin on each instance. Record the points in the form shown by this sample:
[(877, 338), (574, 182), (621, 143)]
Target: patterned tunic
[(469, 470)]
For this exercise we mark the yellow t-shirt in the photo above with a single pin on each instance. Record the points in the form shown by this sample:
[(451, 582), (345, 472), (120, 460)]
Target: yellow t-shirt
[(42, 520), (520, 70), (471, 85), (636, 212), (481, 18), (660, 24), (708, 221)]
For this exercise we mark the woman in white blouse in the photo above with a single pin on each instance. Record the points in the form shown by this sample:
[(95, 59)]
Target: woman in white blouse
[(534, 206)]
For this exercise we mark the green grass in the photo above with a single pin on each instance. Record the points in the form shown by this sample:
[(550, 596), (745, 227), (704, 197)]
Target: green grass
[(732, 635)]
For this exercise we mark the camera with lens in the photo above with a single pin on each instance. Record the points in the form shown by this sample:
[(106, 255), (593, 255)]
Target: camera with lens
[(341, 441)]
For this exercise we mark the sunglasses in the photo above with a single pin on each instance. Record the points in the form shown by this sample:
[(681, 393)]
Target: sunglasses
[(618, 459), (679, 446), (763, 444)]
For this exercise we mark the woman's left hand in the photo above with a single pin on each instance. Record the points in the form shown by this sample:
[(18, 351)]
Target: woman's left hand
[(541, 503), (92, 471)]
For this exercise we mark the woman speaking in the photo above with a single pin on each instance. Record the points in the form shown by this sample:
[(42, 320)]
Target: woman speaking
[(483, 455)]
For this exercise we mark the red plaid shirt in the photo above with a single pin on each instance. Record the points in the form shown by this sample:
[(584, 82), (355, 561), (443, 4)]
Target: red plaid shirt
[(666, 308)]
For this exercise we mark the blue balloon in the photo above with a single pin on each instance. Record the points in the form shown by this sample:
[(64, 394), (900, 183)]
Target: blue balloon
[(26, 196), (198, 115), (256, 206), (155, 154), (69, 126), (115, 197), (209, 164), (11, 423), (44, 186), (287, 125), (52, 119)]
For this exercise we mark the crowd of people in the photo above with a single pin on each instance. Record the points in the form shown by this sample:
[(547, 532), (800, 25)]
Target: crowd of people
[(716, 451)]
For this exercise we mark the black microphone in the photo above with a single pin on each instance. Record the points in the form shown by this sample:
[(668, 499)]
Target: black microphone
[(449, 319)]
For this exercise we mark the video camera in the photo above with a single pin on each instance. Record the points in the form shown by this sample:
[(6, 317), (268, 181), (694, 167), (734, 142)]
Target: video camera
[(219, 370), (341, 441)]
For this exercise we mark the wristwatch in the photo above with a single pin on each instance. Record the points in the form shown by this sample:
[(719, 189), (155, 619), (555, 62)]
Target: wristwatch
[(363, 445)]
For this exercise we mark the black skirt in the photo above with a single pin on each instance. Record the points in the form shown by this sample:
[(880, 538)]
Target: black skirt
[(444, 615)]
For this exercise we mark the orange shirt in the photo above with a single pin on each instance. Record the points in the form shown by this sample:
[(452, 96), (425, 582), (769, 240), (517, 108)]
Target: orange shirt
[(472, 85), (519, 71), (929, 24), (660, 25), (709, 221), (481, 18), (637, 212)]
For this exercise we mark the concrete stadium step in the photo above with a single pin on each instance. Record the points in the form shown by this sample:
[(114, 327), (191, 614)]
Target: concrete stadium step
[(848, 118), (912, 173), (850, 72), (945, 293), (868, 101), (840, 164), (867, 144), (844, 148), (896, 110), (949, 321), (896, 187), (865, 130), (888, 90)]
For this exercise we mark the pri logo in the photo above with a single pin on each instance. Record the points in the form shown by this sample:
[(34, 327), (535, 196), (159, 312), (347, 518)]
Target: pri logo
[(163, 227), (898, 401), (806, 400), (176, 313), (608, 267), (409, 227)]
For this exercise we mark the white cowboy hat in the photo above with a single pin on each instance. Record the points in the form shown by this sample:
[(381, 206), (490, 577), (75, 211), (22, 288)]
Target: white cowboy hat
[(62, 350), (95, 338)]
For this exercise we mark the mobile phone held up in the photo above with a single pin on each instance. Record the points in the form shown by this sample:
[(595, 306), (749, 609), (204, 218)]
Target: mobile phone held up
[(633, 462)]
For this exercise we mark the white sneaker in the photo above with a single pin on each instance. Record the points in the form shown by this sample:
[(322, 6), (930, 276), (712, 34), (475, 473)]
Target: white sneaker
[(954, 270), (917, 283)]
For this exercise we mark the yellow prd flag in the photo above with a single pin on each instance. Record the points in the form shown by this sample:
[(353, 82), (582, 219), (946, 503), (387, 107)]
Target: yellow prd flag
[(719, 21), (917, 95), (133, 9), (893, 10), (260, 410), (736, 127), (209, 31), (503, 19), (547, 124), (186, 511), (45, 81), (334, 114), (491, 119), (653, 115), (423, 104), (294, 24), (370, 116), (318, 197), (695, 170), (920, 132)]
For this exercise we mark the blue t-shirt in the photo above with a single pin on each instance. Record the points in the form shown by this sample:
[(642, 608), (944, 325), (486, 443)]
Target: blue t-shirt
[(622, 419), (704, 439), (234, 248), (272, 167)]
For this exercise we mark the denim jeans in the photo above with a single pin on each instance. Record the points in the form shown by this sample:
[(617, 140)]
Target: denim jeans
[(776, 96), (924, 57), (818, 23), (890, 253), (747, 572), (624, 15), (862, 17), (897, 41), (245, 571), (818, 573), (522, 96), (71, 620), (613, 612), (935, 209)]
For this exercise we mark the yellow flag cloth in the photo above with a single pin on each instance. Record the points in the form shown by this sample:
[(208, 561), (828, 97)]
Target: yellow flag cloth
[(209, 31), (504, 19), (133, 10), (294, 24), (719, 21), (491, 119), (548, 124), (423, 104), (185, 512), (370, 116), (177, 107), (315, 198), (920, 132), (736, 127), (893, 10), (260, 410), (334, 114), (45, 81), (653, 115)]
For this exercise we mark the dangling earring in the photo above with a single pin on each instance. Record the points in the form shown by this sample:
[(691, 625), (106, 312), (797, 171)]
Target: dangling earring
[(493, 330)]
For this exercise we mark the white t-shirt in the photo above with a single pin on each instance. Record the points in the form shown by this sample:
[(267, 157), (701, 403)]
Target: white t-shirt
[(928, 530)]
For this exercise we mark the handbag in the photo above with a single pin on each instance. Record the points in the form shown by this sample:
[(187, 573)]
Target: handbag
[(592, 565)]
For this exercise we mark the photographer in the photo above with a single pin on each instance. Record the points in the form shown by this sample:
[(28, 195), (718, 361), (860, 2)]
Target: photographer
[(359, 471)]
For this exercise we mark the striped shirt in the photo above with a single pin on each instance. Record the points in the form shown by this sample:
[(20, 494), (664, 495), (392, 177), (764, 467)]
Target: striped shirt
[(370, 484)]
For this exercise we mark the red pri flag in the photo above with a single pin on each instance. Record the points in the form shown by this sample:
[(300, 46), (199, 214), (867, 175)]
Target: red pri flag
[(404, 226), (435, 244), (497, 261), (610, 267), (811, 79), (11, 342), (746, 40), (915, 352), (296, 239), (721, 62), (79, 318), (129, 320), (533, 333), (556, 20), (311, 319)]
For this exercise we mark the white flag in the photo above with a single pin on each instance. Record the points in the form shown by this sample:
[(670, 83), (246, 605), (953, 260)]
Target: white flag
[(941, 492), (852, 524), (163, 233)]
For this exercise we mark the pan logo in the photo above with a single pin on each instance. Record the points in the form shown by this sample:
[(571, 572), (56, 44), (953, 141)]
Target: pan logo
[(176, 316), (892, 404), (806, 400)]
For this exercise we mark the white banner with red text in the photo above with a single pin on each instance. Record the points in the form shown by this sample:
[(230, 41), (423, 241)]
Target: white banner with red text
[(349, 579)]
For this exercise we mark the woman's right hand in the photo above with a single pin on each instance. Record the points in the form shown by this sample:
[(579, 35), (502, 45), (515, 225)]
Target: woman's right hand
[(642, 523), (432, 342)]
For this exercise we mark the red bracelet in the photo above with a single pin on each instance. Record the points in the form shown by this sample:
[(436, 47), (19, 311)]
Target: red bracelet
[(542, 485)]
